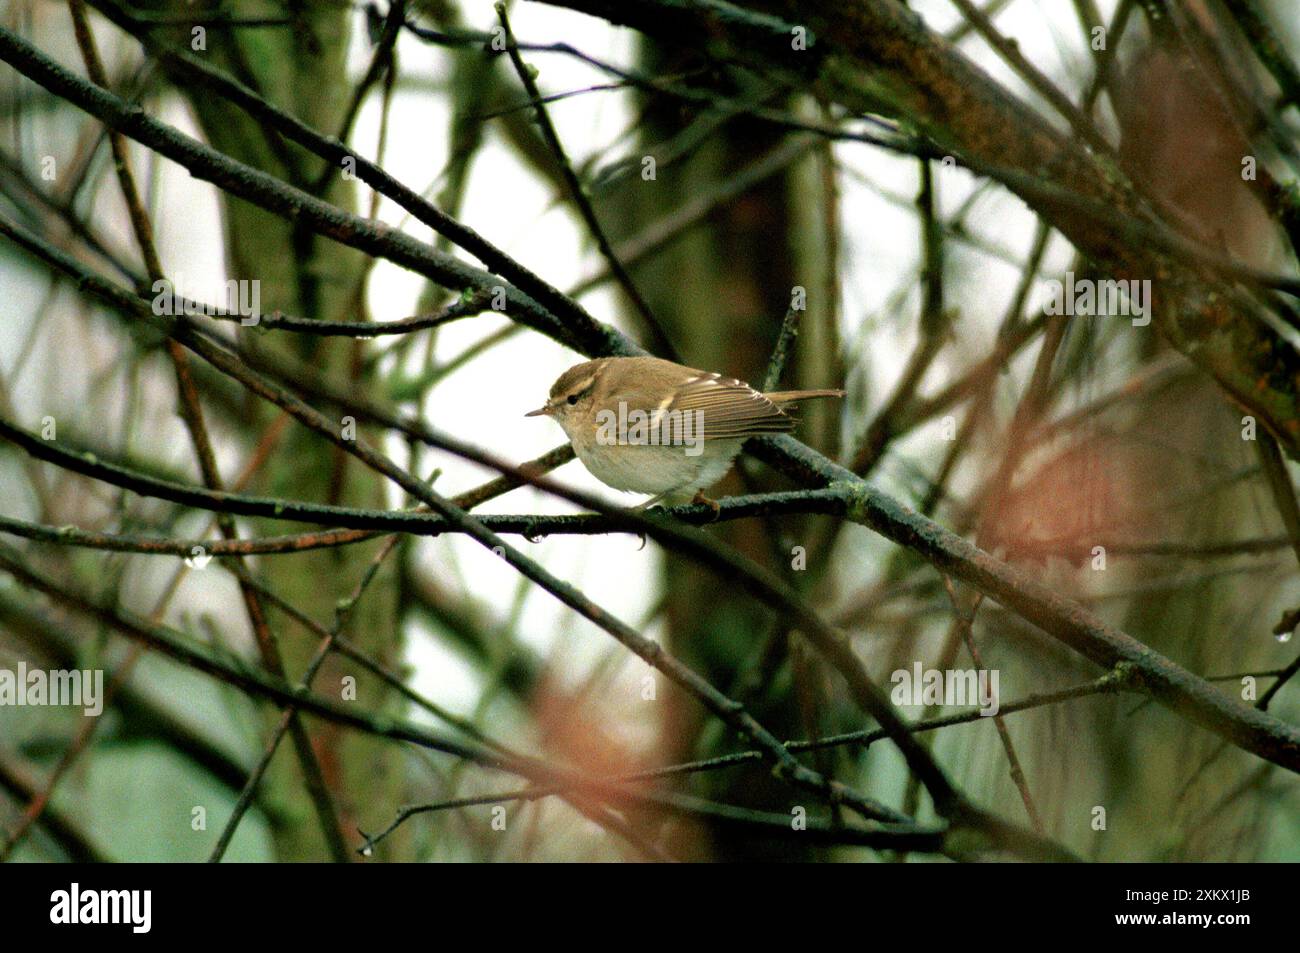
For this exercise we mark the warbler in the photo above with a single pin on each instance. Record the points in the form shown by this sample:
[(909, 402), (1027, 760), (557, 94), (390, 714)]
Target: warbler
[(646, 425)]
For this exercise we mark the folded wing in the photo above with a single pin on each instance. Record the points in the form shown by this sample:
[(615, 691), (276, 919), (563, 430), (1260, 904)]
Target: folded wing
[(731, 409)]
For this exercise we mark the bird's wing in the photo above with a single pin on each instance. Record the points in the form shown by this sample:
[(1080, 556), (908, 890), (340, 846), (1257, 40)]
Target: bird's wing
[(729, 409)]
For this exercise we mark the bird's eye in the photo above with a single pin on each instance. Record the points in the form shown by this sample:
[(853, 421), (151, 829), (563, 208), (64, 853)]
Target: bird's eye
[(573, 399)]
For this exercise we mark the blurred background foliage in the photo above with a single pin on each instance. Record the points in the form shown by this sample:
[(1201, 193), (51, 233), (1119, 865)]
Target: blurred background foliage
[(1064, 433)]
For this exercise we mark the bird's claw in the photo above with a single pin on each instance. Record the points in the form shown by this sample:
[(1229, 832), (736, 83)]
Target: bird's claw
[(700, 498)]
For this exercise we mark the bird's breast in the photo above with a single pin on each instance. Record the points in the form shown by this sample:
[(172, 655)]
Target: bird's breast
[(655, 469)]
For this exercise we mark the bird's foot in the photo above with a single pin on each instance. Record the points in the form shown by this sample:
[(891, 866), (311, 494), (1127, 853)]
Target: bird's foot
[(700, 498)]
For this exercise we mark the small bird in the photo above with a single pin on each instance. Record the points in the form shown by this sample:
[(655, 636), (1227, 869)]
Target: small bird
[(646, 425)]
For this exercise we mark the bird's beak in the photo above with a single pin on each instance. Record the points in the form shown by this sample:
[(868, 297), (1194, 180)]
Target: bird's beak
[(539, 412)]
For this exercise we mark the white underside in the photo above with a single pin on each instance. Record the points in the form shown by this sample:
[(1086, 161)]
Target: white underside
[(659, 470)]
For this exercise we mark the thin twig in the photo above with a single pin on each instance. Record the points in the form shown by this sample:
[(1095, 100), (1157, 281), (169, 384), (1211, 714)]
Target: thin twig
[(662, 342)]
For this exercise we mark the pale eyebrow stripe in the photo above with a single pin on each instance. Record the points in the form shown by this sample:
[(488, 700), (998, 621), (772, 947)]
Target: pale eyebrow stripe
[(586, 385)]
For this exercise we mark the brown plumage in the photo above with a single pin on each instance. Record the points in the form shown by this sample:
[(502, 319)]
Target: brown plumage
[(599, 404)]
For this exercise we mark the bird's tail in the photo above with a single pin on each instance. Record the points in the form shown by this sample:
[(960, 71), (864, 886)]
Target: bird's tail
[(781, 397)]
